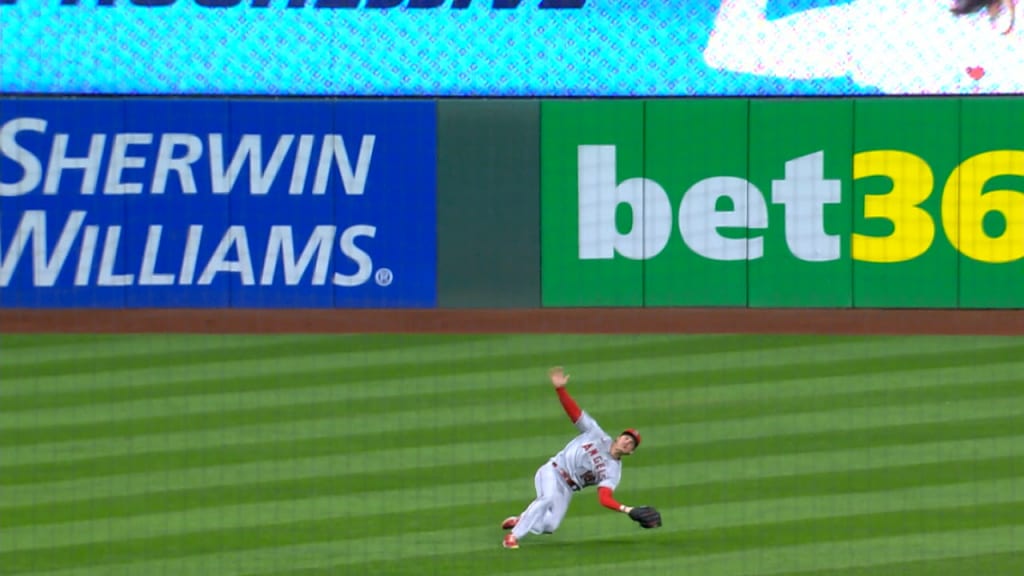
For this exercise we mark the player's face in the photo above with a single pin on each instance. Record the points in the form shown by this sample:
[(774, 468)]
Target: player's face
[(625, 444)]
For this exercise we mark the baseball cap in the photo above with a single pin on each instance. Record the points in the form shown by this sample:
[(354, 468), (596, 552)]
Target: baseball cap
[(636, 435)]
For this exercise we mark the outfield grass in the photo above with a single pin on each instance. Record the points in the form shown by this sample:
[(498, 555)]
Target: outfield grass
[(316, 455)]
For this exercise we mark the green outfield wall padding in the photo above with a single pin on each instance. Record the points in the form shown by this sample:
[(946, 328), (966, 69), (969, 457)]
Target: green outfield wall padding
[(488, 207)]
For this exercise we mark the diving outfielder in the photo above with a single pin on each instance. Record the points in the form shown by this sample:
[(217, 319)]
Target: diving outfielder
[(590, 459)]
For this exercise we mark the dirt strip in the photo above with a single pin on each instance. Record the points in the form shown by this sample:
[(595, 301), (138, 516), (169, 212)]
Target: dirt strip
[(560, 320)]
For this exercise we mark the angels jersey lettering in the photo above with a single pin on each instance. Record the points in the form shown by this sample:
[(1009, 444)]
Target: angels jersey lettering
[(587, 457)]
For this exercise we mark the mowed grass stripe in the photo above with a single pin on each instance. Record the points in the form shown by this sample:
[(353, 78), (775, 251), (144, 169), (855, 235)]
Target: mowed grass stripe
[(1005, 511), (217, 359), (703, 354), (723, 507), (218, 474), (607, 373), (47, 355), (43, 350), (25, 453), (389, 555), (149, 353), (469, 461), (96, 423), (312, 429), (358, 368), (726, 504), (633, 553), (871, 553), (731, 482), (344, 351), (733, 501), (369, 350), (665, 412), (661, 374), (54, 341), (995, 564), (341, 355), (973, 561)]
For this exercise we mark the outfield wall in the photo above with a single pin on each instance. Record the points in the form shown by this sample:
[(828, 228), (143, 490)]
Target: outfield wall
[(324, 203), (784, 203)]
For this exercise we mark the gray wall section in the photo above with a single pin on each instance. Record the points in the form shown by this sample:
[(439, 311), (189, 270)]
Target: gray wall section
[(488, 204)]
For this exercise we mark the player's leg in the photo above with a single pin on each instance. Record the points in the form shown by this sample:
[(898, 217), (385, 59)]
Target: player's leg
[(548, 492), (559, 499), (511, 521), (538, 486), (559, 506)]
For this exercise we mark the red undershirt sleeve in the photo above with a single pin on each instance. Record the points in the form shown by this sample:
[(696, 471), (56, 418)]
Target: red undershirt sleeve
[(569, 405), (604, 495)]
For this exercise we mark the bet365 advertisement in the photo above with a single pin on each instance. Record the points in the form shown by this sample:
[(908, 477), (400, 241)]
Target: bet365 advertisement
[(511, 47), (216, 203), (788, 203)]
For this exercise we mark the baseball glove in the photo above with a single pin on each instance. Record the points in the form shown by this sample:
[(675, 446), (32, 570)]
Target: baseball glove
[(646, 516)]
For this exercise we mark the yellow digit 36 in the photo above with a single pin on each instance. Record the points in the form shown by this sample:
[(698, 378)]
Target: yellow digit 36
[(964, 207)]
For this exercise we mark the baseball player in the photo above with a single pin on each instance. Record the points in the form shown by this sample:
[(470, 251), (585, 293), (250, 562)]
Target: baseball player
[(590, 459)]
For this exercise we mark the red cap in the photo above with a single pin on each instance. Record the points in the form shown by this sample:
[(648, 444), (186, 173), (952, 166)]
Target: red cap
[(632, 432)]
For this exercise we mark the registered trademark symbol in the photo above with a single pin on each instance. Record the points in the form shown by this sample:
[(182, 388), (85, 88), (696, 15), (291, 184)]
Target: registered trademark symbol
[(383, 276)]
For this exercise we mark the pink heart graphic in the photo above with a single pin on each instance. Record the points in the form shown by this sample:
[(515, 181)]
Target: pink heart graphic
[(975, 72)]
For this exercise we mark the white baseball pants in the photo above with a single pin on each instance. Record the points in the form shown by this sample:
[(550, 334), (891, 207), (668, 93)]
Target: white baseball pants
[(545, 513)]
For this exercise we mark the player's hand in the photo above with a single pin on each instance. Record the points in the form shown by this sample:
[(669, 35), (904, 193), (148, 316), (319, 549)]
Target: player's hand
[(558, 377)]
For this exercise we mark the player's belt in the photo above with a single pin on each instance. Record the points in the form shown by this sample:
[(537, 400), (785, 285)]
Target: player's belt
[(568, 479)]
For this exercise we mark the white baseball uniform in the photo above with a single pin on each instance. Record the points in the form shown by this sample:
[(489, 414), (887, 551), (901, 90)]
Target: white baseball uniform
[(585, 461)]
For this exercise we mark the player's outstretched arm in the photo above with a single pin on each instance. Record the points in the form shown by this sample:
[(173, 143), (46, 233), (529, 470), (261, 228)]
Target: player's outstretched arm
[(583, 421), (559, 379), (810, 44), (645, 516), (606, 496)]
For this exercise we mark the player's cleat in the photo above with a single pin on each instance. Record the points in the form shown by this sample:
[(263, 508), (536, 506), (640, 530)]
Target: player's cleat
[(510, 541), (509, 523)]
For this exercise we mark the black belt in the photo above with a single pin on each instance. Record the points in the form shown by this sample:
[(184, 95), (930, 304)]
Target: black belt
[(568, 479)]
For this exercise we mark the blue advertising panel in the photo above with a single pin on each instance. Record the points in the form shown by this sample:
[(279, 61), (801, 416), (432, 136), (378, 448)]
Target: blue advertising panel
[(511, 47), (175, 220), (217, 203), (287, 141), (55, 155), (389, 228)]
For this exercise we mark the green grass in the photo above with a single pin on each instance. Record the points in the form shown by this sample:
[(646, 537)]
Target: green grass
[(317, 455)]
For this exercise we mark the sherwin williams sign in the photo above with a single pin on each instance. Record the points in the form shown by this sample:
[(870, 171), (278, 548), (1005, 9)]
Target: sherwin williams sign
[(217, 203), (837, 203)]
